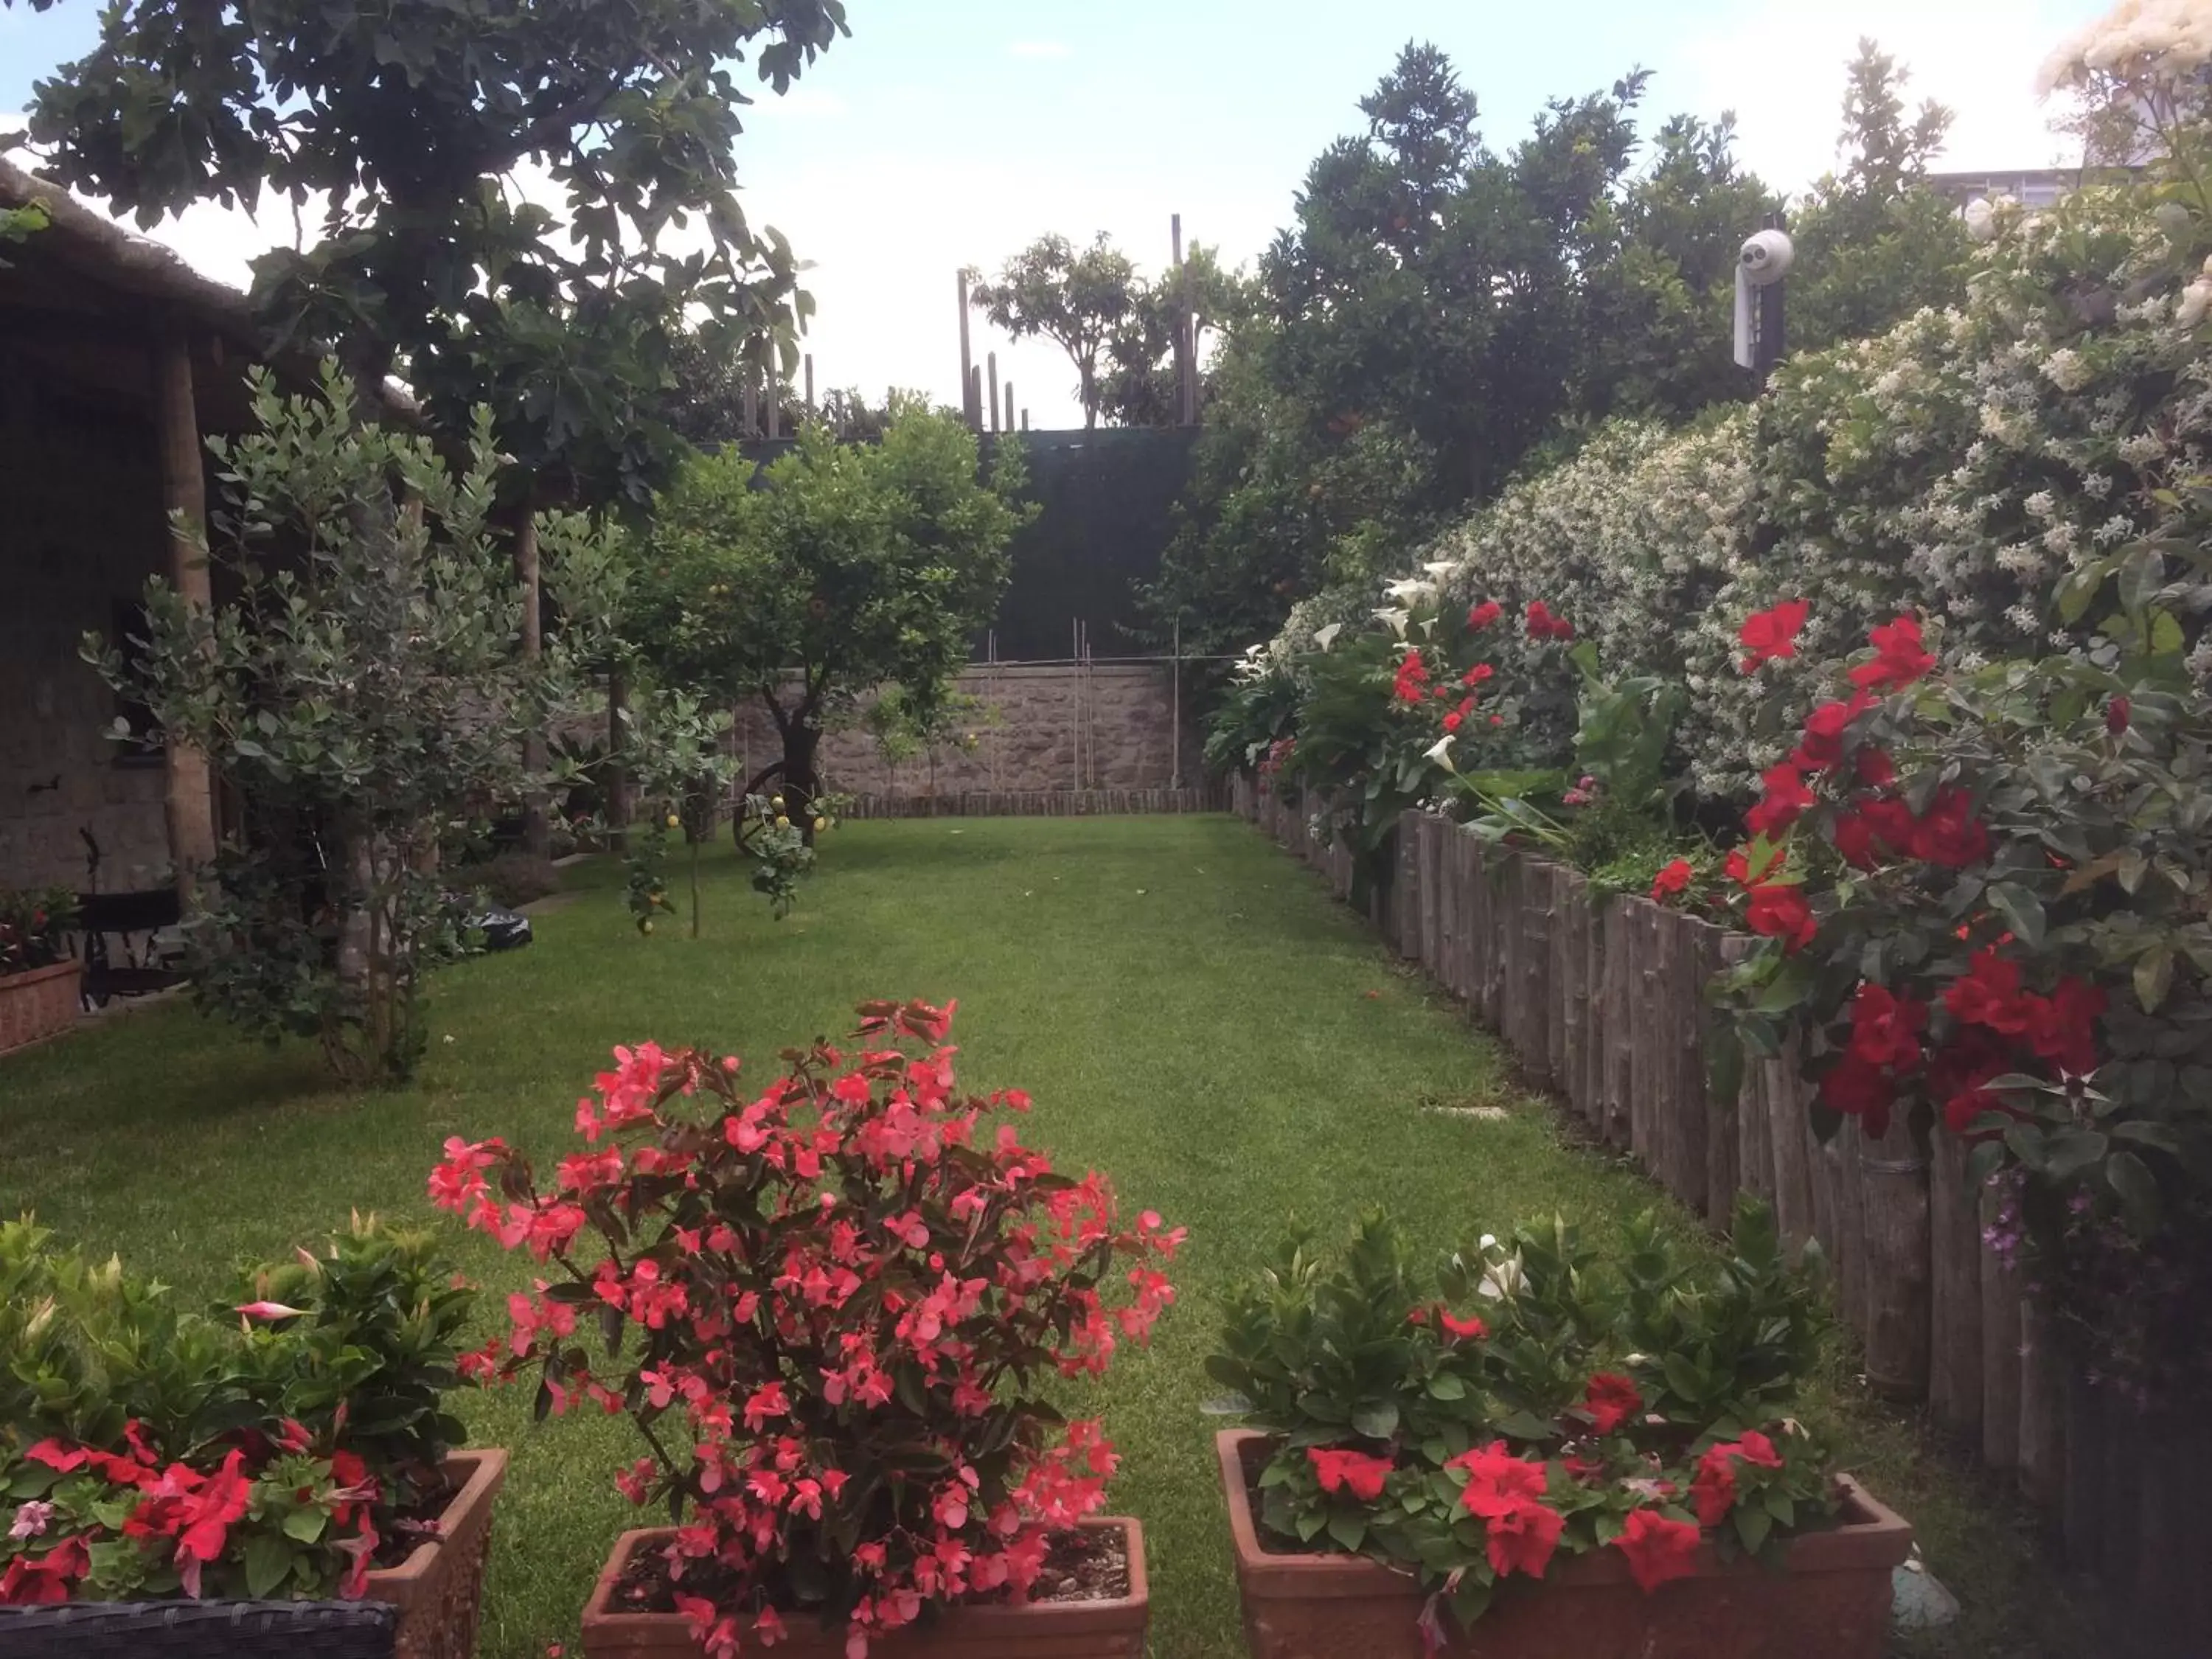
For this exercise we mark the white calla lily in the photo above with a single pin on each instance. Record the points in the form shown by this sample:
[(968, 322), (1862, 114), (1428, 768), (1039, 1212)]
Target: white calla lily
[(1440, 752), (1325, 637), (1395, 621)]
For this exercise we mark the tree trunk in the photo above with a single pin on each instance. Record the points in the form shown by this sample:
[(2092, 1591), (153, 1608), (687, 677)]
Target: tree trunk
[(801, 783), (536, 833), (618, 772)]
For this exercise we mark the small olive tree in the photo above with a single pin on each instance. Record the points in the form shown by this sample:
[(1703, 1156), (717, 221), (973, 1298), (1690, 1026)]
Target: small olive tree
[(841, 569), (362, 690)]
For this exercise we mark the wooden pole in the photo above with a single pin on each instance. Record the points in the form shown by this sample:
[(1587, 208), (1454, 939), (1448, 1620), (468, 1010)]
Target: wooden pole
[(975, 396), (1025, 420), (967, 366), (1010, 405), (189, 790), (991, 358), (749, 411), (810, 383), (774, 406), (1185, 341)]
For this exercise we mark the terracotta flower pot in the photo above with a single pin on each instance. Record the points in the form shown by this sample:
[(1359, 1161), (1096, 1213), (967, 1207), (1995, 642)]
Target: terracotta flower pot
[(439, 1590), (1043, 1630), (1831, 1603), (37, 1005)]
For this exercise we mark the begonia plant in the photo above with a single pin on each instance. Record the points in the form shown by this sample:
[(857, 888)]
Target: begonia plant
[(834, 1305)]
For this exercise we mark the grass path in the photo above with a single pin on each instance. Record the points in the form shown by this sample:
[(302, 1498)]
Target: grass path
[(1190, 1010)]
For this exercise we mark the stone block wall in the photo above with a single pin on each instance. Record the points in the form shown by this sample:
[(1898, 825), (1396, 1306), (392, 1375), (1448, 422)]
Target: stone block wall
[(1041, 726), (81, 527)]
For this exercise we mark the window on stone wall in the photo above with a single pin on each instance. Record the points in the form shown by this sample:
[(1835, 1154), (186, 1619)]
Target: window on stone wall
[(128, 628)]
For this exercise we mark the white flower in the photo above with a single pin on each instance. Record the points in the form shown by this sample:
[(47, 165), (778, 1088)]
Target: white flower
[(1325, 637), (1981, 220), (1440, 752), (1395, 621), (1503, 1281), (1410, 590)]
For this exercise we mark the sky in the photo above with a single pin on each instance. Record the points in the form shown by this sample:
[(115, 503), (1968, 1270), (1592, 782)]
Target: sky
[(944, 133)]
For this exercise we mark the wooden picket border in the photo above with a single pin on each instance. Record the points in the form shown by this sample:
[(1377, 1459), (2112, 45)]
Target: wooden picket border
[(1600, 1000)]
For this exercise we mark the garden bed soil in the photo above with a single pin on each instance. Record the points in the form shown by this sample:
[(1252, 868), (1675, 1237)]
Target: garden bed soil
[(1091, 1602), (1832, 1602), (438, 1588), (37, 1004)]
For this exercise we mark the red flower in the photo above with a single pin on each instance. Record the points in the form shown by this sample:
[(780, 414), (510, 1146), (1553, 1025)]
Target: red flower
[(1713, 1492), (44, 1580), (1785, 799), (1886, 1029), (1950, 835), (1485, 614), (1822, 745), (1768, 635), (2116, 715), (1352, 1472), (1467, 1330), (1522, 1538), (1737, 866), (1987, 993), (1412, 675), (1673, 879), (1900, 658), (1858, 1089), (1658, 1549), (1543, 625), (1497, 1481), (1961, 1076), (1611, 1401), (1780, 912), (1478, 675), (2062, 1028)]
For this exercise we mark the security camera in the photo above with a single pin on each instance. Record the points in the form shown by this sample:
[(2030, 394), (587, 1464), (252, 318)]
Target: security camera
[(1767, 257)]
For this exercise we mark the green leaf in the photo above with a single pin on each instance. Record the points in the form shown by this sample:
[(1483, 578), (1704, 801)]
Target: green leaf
[(2153, 977), (2166, 638), (2072, 1151), (2022, 909), (268, 1560), (306, 1523), (2131, 1181), (1309, 1524), (2142, 573), (1752, 1526), (1377, 1420), (1348, 1528), (1446, 1386), (2145, 1133)]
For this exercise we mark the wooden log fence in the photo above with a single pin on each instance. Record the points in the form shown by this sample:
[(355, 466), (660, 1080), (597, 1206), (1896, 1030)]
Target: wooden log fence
[(1601, 998)]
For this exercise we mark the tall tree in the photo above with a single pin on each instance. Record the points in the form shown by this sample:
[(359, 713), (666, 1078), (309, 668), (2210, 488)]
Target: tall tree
[(422, 138), (841, 568), (1140, 387), (1077, 298), (1875, 243)]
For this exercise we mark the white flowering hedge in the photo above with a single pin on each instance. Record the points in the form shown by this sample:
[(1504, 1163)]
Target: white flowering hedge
[(1961, 465)]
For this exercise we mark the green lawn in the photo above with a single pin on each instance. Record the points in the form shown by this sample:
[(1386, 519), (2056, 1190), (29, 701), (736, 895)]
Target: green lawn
[(1191, 1011)]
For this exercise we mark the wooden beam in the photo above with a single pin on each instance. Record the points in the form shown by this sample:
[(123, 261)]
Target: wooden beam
[(968, 403), (188, 795), (993, 358), (537, 830)]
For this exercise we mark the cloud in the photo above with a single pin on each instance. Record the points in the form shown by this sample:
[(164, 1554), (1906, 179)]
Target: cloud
[(1041, 51), (800, 103)]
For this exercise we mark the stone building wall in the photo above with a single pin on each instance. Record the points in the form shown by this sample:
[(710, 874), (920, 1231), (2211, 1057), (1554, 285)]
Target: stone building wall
[(80, 528), (1040, 726)]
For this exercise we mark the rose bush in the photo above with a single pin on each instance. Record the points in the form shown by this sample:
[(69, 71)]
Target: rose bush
[(1530, 1399), (282, 1450), (841, 1297)]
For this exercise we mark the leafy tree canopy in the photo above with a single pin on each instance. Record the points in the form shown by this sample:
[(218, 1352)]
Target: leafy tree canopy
[(1078, 298), (419, 137)]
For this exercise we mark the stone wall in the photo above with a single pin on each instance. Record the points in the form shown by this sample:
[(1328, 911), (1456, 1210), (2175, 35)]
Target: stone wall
[(1044, 726), (80, 528)]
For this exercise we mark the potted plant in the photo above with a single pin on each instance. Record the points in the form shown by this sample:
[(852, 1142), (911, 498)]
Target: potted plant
[(1527, 1455), (846, 1289), (38, 975), (297, 1448)]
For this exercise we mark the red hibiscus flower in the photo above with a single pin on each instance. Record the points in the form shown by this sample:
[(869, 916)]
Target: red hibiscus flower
[(1987, 993), (1886, 1029), (1658, 1549), (1786, 798), (1611, 1401), (1673, 879), (1543, 625), (1822, 745), (2062, 1028), (1352, 1472), (1950, 835), (1522, 1538), (1768, 635), (1900, 658), (1485, 614), (1858, 1089), (1780, 912), (1467, 1330)]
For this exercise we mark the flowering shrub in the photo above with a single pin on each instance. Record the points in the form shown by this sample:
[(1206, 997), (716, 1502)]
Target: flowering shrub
[(283, 1451), (35, 922), (1988, 889), (1528, 1400), (843, 1289)]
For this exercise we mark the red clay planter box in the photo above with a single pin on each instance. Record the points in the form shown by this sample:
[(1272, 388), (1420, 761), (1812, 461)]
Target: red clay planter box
[(37, 1005), (439, 1590), (1833, 1603), (1043, 1630)]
